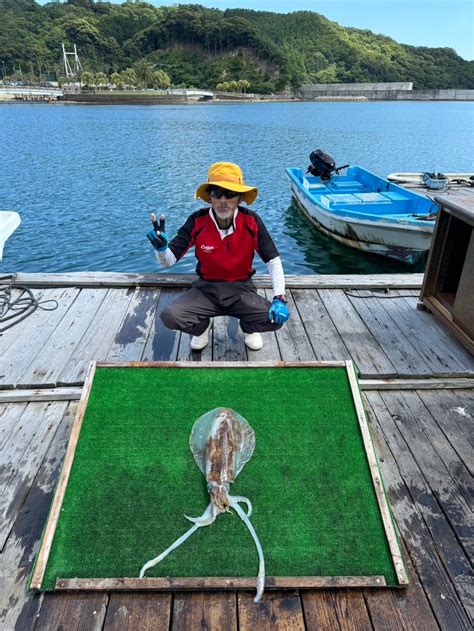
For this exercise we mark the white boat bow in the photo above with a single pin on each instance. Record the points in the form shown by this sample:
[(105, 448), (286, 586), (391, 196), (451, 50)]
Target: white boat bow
[(417, 178), (9, 222)]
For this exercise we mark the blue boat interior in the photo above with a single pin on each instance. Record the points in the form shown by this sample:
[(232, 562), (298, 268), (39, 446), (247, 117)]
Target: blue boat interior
[(360, 194)]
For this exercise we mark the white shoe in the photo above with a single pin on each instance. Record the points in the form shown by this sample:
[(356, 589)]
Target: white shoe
[(198, 342), (253, 341)]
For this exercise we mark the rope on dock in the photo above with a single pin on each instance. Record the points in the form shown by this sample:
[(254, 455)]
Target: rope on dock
[(382, 292), (16, 310)]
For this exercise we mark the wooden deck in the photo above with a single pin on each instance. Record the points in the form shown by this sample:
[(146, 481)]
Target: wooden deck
[(417, 383)]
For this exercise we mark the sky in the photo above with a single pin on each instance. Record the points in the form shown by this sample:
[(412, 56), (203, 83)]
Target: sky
[(434, 23)]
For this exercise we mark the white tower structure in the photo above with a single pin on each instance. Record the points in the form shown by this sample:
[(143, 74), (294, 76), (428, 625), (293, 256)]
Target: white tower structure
[(76, 63)]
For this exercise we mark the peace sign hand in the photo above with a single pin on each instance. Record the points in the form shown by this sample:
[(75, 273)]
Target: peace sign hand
[(158, 237)]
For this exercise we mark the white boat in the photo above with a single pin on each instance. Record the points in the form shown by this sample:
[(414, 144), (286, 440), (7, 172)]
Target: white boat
[(365, 211), (416, 179), (435, 181), (9, 222)]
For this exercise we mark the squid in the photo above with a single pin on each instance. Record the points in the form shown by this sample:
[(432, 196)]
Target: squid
[(222, 442)]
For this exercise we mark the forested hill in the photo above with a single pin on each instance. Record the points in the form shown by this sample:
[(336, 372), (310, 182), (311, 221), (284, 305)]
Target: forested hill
[(201, 47)]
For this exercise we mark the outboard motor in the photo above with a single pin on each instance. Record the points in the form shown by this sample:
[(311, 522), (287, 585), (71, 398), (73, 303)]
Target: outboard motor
[(322, 164)]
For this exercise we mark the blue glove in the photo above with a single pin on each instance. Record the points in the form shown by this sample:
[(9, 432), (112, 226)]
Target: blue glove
[(158, 237), (158, 241), (278, 312)]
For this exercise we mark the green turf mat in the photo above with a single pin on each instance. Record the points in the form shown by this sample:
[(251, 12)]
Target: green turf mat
[(134, 476)]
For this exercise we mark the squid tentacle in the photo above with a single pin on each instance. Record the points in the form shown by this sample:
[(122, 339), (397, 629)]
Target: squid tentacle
[(261, 567), (244, 500), (179, 541), (206, 519)]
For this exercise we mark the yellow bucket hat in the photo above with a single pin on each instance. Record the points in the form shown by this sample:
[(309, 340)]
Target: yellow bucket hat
[(228, 176)]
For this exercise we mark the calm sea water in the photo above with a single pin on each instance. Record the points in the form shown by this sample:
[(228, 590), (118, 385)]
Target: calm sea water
[(85, 178)]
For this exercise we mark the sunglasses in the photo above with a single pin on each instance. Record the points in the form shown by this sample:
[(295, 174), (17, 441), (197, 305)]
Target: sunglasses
[(216, 192)]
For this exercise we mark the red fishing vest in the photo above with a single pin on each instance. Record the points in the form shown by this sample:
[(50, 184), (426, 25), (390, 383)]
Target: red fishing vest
[(229, 258)]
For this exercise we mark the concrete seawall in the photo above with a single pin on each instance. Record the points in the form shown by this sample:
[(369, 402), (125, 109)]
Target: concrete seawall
[(114, 99), (387, 95)]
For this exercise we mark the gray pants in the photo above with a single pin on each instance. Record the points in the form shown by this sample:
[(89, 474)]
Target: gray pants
[(191, 312)]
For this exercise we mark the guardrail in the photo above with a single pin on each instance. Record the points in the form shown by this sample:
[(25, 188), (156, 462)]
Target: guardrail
[(19, 91)]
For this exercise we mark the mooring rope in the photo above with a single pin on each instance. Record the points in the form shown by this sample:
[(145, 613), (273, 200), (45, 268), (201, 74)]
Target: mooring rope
[(375, 292), (16, 310)]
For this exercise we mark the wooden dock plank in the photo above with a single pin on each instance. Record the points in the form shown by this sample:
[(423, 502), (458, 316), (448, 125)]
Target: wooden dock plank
[(39, 328), (366, 350), (121, 279), (20, 395), (228, 340), (23, 471), (407, 293), (10, 416), (138, 612), (454, 413), (460, 475), (20, 437), (424, 323), (433, 547), (68, 611), (276, 611), (402, 354), (351, 611), (185, 352), (270, 350), (440, 351), (18, 607), (416, 383), (162, 343), (133, 331), (323, 336), (67, 335), (99, 336), (11, 334), (319, 610), (401, 610), (199, 610), (415, 423), (336, 609), (292, 339)]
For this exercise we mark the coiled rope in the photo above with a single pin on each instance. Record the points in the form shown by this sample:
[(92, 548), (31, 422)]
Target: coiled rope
[(15, 310)]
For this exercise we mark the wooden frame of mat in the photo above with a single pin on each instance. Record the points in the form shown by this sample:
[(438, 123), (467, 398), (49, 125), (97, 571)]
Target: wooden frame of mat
[(221, 582)]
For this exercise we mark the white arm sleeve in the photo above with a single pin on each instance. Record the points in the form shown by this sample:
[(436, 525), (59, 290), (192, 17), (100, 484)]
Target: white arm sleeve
[(275, 269), (165, 258)]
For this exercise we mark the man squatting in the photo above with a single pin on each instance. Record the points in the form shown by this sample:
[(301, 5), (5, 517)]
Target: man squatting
[(225, 237)]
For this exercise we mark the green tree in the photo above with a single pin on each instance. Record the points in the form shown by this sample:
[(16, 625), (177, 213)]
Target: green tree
[(144, 72), (117, 79), (161, 80), (87, 79), (129, 77), (101, 80), (243, 84), (328, 75)]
